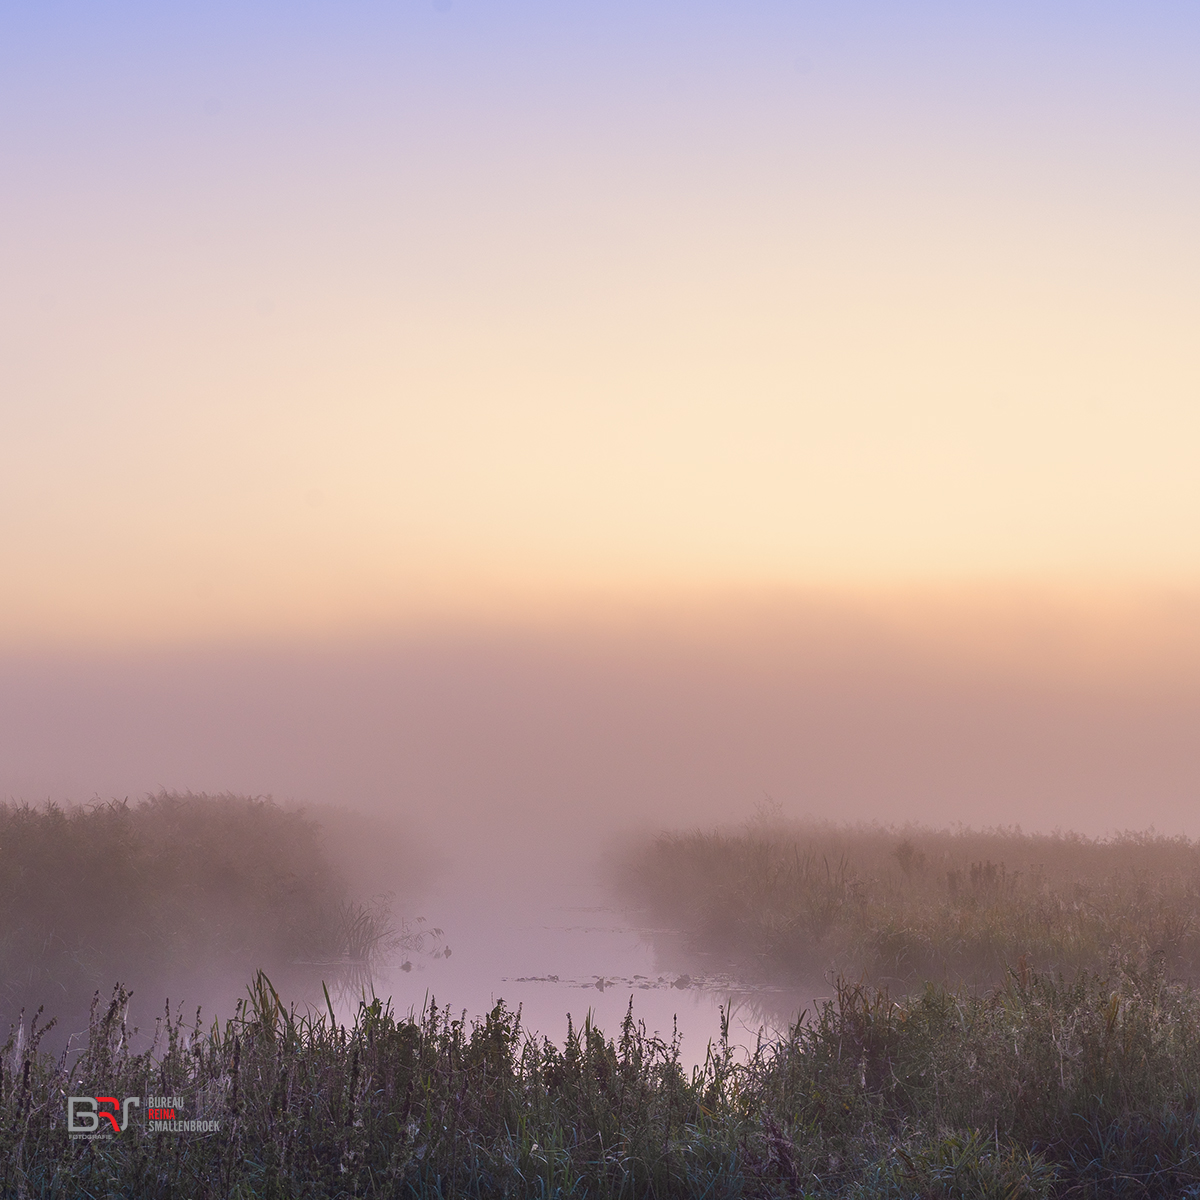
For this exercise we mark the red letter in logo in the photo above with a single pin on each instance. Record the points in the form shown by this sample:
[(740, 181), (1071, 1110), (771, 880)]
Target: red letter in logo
[(110, 1116)]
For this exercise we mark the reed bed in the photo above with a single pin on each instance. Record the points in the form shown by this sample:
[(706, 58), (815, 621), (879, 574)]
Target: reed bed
[(168, 894), (1042, 1088), (901, 906)]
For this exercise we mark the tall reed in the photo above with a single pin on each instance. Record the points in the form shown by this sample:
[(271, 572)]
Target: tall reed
[(1042, 1088)]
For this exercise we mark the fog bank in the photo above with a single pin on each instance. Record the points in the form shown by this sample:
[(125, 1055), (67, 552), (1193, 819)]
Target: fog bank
[(559, 735)]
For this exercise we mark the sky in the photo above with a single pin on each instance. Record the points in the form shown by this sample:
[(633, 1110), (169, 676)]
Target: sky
[(322, 317), (453, 328)]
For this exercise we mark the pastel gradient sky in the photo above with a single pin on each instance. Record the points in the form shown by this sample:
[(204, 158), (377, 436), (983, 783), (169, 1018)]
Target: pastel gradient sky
[(321, 316), (531, 415)]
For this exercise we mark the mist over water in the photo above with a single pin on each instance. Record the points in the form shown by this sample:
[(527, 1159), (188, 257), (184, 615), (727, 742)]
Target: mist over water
[(550, 937), (502, 765)]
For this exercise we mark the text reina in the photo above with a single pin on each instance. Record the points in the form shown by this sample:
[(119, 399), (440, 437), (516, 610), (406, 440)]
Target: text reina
[(163, 1108)]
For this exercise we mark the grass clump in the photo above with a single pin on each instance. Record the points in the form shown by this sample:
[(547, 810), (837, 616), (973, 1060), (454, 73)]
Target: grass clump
[(903, 906), (1040, 1089)]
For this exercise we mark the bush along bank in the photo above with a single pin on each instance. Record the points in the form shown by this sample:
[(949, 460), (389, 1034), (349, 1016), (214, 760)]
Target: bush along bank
[(1043, 1088)]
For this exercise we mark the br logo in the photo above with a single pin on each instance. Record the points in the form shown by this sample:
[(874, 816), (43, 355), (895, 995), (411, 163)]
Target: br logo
[(84, 1113)]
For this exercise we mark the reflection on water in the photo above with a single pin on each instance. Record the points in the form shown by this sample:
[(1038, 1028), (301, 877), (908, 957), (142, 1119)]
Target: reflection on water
[(555, 948)]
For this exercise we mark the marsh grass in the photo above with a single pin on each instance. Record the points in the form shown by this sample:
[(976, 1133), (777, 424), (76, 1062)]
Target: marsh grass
[(1042, 1088), (904, 906), (170, 891)]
